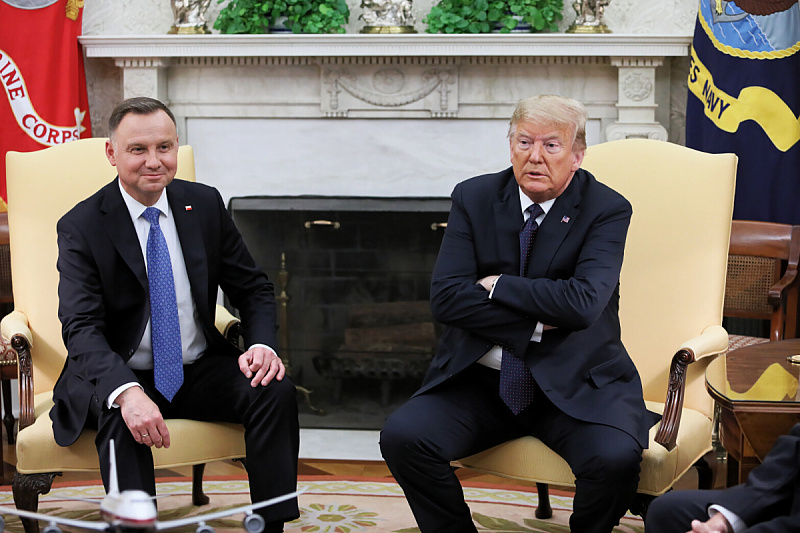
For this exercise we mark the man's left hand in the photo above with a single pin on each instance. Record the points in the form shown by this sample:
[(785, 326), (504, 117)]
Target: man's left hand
[(262, 365)]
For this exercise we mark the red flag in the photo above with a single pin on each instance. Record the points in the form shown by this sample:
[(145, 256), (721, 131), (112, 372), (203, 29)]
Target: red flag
[(44, 100)]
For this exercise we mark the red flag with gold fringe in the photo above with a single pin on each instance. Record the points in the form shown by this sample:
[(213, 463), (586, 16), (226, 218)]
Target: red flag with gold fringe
[(44, 101)]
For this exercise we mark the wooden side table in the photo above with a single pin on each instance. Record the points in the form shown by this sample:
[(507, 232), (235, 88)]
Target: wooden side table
[(757, 390)]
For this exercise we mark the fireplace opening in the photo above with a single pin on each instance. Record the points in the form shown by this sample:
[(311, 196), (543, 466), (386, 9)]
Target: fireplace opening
[(352, 280)]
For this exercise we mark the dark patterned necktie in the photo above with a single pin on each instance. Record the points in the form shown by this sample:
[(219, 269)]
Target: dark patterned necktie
[(516, 381), (165, 327)]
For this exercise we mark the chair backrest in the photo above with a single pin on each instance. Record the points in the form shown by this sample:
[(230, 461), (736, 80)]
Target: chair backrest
[(761, 253), (42, 186), (673, 277)]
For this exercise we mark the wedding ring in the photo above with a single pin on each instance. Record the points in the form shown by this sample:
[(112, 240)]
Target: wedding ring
[(145, 435)]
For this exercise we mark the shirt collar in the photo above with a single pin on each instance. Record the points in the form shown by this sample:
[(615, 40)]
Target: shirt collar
[(526, 202), (135, 208)]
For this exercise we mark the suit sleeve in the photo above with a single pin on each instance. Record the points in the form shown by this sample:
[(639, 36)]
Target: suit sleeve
[(576, 301), (82, 313), (456, 299), (767, 496)]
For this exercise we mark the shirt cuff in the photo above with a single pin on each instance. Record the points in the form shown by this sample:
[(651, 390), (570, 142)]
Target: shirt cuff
[(537, 333), (119, 390), (737, 524), (491, 292), (259, 345)]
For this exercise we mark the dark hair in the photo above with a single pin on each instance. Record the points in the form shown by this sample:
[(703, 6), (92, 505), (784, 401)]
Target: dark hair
[(138, 105)]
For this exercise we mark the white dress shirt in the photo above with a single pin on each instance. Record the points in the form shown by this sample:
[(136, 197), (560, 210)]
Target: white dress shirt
[(494, 356), (193, 342)]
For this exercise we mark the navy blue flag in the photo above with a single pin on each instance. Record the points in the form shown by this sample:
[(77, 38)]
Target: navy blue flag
[(744, 97)]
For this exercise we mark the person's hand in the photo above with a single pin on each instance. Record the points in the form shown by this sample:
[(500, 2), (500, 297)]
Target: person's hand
[(488, 282), (143, 418), (716, 524), (262, 365)]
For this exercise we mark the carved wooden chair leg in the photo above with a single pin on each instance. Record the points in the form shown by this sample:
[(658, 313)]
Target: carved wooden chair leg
[(198, 496), (543, 511), (26, 489)]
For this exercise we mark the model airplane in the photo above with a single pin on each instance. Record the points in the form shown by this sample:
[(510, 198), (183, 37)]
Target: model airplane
[(135, 510)]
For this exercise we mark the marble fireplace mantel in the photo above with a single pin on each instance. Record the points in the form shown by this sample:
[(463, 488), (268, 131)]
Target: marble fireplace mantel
[(421, 111), (393, 76), (408, 45)]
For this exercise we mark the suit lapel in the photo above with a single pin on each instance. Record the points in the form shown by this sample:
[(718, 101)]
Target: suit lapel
[(508, 221), (118, 225), (187, 223), (555, 227)]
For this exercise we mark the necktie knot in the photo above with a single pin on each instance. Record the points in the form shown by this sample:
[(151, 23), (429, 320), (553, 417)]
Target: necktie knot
[(534, 210), (151, 215)]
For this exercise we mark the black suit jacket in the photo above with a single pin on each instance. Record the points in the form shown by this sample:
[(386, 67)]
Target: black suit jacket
[(572, 284), (771, 496), (103, 293)]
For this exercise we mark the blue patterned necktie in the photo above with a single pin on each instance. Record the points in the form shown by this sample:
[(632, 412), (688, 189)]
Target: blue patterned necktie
[(516, 381), (165, 328)]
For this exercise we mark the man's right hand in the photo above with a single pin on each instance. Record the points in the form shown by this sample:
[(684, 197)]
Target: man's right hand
[(143, 418)]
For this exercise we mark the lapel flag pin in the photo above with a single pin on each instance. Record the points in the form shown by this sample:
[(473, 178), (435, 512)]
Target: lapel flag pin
[(188, 208), (565, 220)]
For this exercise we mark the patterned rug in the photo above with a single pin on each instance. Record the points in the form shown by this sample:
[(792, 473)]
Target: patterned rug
[(333, 505)]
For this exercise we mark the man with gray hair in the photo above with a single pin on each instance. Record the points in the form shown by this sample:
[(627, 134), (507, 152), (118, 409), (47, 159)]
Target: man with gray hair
[(527, 285)]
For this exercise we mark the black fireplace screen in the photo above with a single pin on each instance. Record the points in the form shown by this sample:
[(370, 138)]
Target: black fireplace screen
[(352, 278)]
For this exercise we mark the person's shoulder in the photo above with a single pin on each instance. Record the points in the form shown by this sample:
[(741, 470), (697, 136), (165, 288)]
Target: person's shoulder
[(192, 187), (193, 191)]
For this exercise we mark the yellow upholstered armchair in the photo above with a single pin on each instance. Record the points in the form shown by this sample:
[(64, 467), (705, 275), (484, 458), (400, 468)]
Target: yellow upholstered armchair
[(42, 186), (671, 293)]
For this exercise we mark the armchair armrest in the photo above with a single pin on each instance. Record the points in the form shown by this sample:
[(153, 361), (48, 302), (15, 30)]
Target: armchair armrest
[(775, 294), (14, 327), (228, 325), (713, 341), (16, 323)]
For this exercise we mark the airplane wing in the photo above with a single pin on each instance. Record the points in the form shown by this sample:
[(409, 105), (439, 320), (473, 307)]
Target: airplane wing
[(82, 524), (171, 524)]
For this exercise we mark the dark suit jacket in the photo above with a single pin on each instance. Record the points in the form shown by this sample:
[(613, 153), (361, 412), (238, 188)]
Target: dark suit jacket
[(103, 293), (771, 496), (572, 284)]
